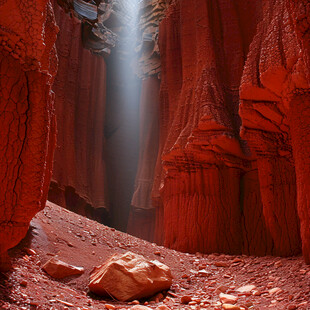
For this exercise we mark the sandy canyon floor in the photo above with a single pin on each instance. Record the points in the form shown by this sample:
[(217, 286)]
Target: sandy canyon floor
[(280, 283)]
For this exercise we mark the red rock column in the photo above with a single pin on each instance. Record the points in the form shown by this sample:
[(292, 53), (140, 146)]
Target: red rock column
[(80, 91), (201, 158), (300, 131), (27, 120)]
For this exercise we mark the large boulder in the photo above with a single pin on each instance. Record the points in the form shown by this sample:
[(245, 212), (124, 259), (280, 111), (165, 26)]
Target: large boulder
[(130, 276)]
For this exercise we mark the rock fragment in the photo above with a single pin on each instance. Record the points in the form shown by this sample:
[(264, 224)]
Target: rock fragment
[(59, 269), (228, 299), (130, 276)]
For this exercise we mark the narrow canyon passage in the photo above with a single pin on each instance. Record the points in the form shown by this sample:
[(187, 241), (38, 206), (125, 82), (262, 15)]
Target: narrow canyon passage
[(181, 125)]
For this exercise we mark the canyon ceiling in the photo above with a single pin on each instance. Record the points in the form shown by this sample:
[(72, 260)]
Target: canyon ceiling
[(219, 149)]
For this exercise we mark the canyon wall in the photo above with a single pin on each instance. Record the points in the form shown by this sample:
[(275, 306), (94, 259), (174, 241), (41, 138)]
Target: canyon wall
[(78, 181), (231, 178), (274, 109), (28, 65)]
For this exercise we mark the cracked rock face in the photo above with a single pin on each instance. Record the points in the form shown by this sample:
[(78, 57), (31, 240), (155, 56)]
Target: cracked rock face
[(27, 121)]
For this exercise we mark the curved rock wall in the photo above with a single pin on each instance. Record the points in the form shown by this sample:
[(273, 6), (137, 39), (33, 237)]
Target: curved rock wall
[(28, 65)]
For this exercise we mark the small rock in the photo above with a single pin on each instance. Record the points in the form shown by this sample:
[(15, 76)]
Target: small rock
[(162, 307), (203, 273), (23, 283), (139, 307), (186, 299), (278, 264), (274, 291), (59, 269), (108, 306), (30, 251), (134, 302), (230, 307), (157, 253), (257, 293), (292, 307), (221, 264), (246, 288), (228, 299), (221, 289)]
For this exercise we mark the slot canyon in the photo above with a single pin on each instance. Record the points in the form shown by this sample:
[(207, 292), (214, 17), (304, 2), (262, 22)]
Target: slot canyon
[(174, 130)]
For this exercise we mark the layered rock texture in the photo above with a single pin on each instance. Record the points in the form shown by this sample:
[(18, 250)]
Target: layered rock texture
[(217, 188), (275, 120), (27, 120), (80, 90)]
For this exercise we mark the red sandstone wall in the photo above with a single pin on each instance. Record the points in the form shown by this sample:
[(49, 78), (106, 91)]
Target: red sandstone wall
[(80, 90), (213, 191), (27, 121), (275, 120)]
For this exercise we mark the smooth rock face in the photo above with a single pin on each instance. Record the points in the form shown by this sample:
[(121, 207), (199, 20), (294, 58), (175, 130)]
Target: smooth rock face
[(27, 121), (130, 276), (59, 269)]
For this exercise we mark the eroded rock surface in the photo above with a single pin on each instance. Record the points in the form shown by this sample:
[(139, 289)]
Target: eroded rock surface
[(275, 121), (27, 120), (217, 188)]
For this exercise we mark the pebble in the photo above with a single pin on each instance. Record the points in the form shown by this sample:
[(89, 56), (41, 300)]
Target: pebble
[(162, 307), (275, 290), (228, 299), (221, 289), (221, 264), (134, 302), (230, 307), (186, 299), (246, 288)]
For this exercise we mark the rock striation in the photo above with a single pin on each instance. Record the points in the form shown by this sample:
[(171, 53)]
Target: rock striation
[(274, 108), (28, 65), (205, 178), (79, 170), (232, 178)]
